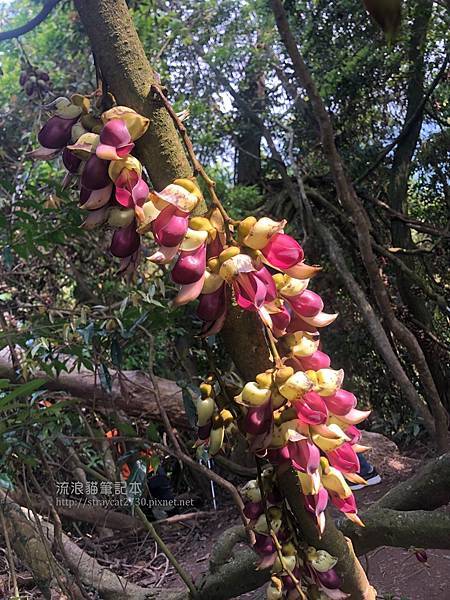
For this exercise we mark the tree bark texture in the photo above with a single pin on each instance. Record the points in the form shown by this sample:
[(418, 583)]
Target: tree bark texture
[(128, 75)]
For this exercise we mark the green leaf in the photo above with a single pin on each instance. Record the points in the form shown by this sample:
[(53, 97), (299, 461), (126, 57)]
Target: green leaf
[(22, 390), (87, 333), (152, 433), (116, 353), (136, 481)]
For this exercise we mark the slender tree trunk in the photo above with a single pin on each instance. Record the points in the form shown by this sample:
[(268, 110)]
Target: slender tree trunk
[(353, 205), (248, 152), (400, 173)]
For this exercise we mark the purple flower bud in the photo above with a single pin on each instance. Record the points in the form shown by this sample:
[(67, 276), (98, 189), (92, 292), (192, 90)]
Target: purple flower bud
[(330, 579), (204, 431), (56, 132), (71, 162), (258, 420), (125, 241), (190, 266), (421, 556), (288, 582), (95, 174), (253, 510), (211, 306), (264, 544)]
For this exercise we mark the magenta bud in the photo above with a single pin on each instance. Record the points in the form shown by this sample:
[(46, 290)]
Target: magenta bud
[(258, 420), (315, 362), (190, 266), (288, 582), (311, 409), (264, 544), (211, 306), (307, 304), (71, 162), (169, 228), (329, 579), (282, 251), (252, 510), (341, 402), (204, 430), (56, 132), (95, 174), (125, 241)]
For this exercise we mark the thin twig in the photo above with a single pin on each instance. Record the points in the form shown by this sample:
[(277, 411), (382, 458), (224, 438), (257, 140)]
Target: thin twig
[(272, 533), (198, 167), (10, 557), (168, 553)]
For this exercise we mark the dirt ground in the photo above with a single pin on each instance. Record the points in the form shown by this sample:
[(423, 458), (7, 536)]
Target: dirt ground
[(395, 572)]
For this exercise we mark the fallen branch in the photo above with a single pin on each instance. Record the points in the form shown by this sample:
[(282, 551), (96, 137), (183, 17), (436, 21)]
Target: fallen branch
[(29, 547), (132, 391)]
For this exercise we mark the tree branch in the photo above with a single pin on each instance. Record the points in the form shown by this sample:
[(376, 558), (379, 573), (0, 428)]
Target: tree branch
[(409, 123), (31, 24), (387, 527)]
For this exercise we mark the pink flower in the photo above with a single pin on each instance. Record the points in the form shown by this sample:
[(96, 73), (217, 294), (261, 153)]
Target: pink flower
[(258, 420), (280, 320), (316, 504), (346, 505), (311, 409), (341, 402), (344, 458), (306, 304), (131, 191), (170, 226), (115, 141), (282, 251), (304, 456), (315, 362), (253, 289)]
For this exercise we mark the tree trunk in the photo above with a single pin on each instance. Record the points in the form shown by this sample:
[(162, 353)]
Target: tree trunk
[(128, 75), (248, 160)]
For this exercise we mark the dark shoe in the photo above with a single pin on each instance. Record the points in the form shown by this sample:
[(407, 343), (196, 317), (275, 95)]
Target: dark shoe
[(372, 478)]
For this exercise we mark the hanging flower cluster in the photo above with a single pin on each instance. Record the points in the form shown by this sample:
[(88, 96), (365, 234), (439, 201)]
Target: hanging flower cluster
[(295, 414), (293, 566)]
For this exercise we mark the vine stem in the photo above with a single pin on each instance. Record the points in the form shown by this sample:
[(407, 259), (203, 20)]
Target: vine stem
[(272, 343), (196, 164), (173, 561), (10, 557), (272, 533)]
